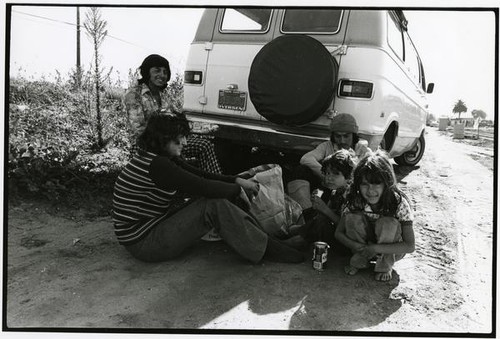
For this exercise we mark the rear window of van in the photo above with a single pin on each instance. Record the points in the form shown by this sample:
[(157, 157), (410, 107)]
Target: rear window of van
[(251, 20), (319, 21)]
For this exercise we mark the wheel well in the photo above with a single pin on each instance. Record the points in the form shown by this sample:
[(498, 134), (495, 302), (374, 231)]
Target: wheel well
[(390, 136)]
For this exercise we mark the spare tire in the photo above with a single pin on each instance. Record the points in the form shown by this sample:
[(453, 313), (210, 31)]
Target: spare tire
[(292, 80)]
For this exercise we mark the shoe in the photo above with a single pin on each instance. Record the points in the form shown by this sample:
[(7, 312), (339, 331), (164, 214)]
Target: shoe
[(277, 251), (296, 242), (212, 235)]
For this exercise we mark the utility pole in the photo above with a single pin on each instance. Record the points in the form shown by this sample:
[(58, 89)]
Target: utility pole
[(78, 65)]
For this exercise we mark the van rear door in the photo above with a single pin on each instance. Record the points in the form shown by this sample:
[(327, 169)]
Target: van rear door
[(238, 36)]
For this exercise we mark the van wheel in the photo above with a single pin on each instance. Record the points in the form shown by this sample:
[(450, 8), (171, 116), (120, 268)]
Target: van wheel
[(413, 156), (292, 80)]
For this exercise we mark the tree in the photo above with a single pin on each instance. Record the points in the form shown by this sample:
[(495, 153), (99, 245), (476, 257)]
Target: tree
[(95, 28), (459, 108), (478, 114)]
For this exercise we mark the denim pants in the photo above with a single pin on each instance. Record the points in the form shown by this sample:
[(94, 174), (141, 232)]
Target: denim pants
[(184, 228), (386, 230)]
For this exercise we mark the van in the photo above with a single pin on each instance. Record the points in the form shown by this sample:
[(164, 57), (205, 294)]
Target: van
[(274, 78)]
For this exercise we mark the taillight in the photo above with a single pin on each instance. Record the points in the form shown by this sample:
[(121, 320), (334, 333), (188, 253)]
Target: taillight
[(193, 77), (355, 89)]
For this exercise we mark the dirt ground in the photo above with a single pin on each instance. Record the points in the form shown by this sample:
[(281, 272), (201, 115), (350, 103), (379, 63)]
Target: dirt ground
[(68, 272)]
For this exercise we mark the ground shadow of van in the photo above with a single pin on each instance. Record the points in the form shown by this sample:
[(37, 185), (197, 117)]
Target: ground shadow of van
[(216, 290)]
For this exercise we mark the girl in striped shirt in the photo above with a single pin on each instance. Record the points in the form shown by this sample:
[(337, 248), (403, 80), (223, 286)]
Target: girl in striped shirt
[(162, 205)]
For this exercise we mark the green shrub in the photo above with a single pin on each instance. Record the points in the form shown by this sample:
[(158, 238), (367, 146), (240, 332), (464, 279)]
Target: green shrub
[(52, 141)]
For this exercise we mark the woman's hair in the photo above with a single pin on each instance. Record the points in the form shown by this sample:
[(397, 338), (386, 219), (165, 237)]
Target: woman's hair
[(376, 169), (341, 161), (153, 60), (162, 129)]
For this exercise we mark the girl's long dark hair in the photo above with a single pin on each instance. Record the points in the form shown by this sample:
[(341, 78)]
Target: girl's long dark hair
[(376, 169), (161, 129)]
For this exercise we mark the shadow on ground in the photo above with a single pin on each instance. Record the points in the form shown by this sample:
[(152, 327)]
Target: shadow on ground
[(71, 273), (212, 288)]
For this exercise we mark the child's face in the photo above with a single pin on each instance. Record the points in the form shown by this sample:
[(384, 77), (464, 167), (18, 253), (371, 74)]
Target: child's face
[(371, 192), (334, 179)]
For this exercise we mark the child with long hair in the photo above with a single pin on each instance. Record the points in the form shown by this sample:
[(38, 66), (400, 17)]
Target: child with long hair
[(162, 205), (378, 220)]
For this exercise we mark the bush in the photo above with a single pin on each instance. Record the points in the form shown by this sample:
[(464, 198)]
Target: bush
[(52, 139)]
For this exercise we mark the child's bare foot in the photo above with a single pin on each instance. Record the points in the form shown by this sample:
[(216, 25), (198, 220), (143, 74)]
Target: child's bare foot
[(350, 270), (383, 276)]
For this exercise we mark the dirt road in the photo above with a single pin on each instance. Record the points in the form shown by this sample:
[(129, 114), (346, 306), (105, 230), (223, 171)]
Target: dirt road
[(69, 272)]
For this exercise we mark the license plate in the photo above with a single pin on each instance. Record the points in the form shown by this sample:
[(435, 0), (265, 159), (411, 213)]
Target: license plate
[(234, 100)]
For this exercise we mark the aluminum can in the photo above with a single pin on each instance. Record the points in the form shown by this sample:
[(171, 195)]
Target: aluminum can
[(320, 255)]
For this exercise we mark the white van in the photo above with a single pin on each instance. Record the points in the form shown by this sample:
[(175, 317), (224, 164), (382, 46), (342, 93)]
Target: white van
[(274, 78)]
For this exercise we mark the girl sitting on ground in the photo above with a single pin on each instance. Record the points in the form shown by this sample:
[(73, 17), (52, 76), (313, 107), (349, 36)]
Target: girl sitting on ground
[(377, 221)]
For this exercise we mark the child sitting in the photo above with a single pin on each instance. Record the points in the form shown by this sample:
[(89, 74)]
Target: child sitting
[(336, 170), (377, 220)]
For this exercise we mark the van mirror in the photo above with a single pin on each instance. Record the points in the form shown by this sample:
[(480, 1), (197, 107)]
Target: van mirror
[(430, 88)]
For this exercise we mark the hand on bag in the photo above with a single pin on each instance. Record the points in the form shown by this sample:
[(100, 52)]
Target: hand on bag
[(242, 200), (251, 187)]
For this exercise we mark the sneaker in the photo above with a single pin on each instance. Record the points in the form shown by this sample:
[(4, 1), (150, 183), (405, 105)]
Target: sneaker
[(279, 252), (212, 235)]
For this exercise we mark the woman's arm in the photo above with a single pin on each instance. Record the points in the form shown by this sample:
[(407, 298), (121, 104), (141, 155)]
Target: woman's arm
[(135, 114), (168, 175), (204, 174), (251, 187)]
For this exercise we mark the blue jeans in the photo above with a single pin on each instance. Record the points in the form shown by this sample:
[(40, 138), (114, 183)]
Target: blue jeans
[(170, 238), (386, 230)]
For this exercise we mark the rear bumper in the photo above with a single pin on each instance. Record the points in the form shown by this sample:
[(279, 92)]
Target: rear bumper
[(260, 133)]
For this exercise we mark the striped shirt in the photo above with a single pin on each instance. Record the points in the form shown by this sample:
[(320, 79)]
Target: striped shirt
[(140, 203)]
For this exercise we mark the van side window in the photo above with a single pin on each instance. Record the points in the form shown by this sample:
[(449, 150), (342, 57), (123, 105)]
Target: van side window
[(395, 36), (326, 21), (411, 60), (246, 20)]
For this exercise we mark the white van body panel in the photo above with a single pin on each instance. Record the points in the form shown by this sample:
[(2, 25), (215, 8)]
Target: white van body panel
[(233, 71), (396, 110)]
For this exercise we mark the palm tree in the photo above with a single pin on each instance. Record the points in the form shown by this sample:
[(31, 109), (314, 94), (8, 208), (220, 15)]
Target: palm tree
[(459, 108)]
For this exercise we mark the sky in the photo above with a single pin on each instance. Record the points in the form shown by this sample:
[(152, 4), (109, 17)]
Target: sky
[(456, 47)]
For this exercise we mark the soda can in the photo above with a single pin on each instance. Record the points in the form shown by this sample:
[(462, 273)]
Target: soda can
[(320, 255)]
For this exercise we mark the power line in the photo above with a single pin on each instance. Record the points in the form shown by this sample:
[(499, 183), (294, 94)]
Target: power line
[(74, 25)]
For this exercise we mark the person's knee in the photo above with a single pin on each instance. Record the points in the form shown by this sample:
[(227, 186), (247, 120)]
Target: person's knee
[(219, 204), (302, 172), (355, 220), (386, 228)]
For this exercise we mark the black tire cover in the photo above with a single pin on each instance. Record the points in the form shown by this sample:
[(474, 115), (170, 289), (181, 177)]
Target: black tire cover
[(292, 80)]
